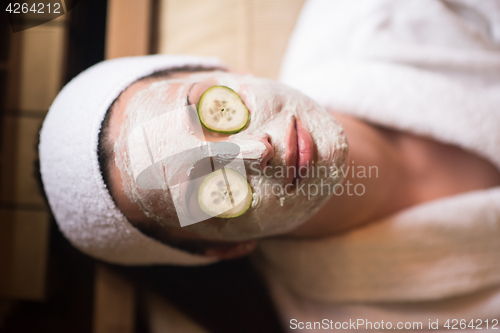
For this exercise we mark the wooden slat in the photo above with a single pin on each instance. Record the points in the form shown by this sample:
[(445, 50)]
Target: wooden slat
[(34, 73), (19, 152), (114, 302), (13, 77), (246, 34), (23, 253), (41, 67), (271, 23), (128, 28), (208, 28)]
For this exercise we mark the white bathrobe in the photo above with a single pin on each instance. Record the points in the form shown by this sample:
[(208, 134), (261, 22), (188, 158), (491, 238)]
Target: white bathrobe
[(427, 67)]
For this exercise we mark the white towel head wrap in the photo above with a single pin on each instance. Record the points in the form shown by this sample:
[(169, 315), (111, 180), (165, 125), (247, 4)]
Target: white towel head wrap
[(77, 194)]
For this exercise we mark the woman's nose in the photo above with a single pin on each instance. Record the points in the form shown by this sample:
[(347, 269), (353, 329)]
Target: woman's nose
[(255, 148)]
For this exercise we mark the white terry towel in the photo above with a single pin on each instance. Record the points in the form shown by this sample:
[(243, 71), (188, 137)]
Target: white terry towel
[(78, 197), (431, 68)]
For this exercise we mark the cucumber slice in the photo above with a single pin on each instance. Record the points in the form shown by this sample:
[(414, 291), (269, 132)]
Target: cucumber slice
[(225, 193), (221, 110)]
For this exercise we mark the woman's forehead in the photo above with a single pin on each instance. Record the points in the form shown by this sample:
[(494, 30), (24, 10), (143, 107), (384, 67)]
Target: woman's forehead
[(118, 112), (120, 105)]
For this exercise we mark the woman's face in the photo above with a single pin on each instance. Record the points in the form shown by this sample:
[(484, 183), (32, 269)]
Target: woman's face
[(291, 148)]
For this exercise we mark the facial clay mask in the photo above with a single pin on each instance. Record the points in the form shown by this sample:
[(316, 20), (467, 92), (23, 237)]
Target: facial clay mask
[(168, 164), (177, 167)]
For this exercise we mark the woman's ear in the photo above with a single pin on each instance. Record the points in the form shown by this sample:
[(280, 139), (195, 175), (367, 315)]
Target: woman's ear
[(233, 251)]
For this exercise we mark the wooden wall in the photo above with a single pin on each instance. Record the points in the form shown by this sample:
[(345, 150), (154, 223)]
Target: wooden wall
[(31, 71), (249, 35)]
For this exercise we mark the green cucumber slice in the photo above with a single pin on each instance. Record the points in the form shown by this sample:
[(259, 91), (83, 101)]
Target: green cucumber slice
[(221, 110), (225, 193)]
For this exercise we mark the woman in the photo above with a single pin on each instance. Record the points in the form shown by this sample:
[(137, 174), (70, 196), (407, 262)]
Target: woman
[(381, 97)]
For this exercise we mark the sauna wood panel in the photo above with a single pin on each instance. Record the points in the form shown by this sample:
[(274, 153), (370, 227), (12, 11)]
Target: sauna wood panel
[(19, 152), (114, 302), (207, 28), (12, 66), (251, 36), (128, 28), (24, 238), (41, 67)]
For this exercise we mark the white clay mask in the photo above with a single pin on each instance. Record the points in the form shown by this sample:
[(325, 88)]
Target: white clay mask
[(188, 166), (284, 128)]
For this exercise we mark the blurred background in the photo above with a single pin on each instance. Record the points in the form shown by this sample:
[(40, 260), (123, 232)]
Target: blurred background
[(45, 284)]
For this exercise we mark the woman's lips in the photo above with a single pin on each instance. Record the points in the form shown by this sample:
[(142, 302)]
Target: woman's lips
[(298, 150), (304, 147), (290, 149)]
